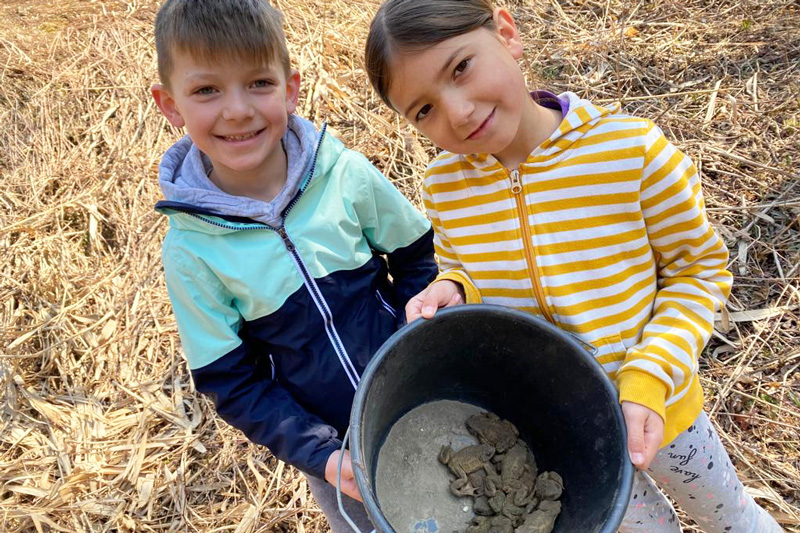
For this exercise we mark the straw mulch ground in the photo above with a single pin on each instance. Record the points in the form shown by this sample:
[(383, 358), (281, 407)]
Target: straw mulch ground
[(101, 429)]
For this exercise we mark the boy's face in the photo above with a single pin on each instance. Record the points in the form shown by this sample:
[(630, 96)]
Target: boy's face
[(236, 112)]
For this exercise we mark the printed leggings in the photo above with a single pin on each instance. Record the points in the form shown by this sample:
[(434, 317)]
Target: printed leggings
[(696, 471)]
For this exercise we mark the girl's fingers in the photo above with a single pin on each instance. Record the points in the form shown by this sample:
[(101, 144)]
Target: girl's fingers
[(432, 301), (414, 306), (653, 435), (634, 423)]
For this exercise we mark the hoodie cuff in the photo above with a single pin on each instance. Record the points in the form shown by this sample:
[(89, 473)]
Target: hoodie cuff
[(317, 463), (473, 296), (642, 388)]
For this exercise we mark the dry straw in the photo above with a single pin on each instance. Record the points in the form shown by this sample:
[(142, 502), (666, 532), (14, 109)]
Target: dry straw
[(101, 429)]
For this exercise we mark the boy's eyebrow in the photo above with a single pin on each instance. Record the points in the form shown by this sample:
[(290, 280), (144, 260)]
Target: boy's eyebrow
[(203, 75), (442, 70)]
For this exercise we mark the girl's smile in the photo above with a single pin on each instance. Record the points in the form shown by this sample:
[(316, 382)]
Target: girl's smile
[(478, 133)]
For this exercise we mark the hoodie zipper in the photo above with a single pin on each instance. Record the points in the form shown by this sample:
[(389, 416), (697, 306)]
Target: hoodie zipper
[(527, 244), (308, 280)]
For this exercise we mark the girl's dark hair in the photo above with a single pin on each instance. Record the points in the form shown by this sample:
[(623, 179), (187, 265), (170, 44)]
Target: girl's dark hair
[(412, 25)]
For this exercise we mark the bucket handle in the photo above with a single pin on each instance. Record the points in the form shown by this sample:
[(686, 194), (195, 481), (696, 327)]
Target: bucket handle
[(344, 514), (591, 347)]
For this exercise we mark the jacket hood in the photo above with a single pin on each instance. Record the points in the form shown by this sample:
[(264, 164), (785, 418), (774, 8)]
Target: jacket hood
[(580, 112), (577, 113), (184, 169)]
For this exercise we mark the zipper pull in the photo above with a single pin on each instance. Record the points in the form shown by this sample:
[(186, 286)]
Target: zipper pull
[(516, 184), (286, 241)]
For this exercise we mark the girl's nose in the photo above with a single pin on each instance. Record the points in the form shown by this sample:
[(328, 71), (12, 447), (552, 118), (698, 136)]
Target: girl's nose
[(237, 107), (458, 111)]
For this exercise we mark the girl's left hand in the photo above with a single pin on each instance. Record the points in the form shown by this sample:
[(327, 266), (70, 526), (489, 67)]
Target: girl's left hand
[(645, 433)]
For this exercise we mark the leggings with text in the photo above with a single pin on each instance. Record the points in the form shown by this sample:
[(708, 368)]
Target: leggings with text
[(696, 471)]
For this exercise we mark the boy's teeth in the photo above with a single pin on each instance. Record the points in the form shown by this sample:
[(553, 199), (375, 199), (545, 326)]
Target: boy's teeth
[(239, 137)]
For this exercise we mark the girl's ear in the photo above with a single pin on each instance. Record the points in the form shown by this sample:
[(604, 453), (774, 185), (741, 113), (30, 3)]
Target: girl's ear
[(292, 90), (166, 103), (507, 30)]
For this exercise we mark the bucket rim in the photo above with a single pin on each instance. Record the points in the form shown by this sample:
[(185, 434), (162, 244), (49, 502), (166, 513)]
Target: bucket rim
[(359, 466)]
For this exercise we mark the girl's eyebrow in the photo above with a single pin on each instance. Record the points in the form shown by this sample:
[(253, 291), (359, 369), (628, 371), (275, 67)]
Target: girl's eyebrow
[(445, 67)]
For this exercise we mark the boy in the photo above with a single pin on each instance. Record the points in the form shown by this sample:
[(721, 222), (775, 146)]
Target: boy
[(273, 259)]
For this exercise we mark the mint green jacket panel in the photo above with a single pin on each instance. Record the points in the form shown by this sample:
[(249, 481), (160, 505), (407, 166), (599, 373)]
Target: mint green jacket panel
[(208, 319), (346, 210), (355, 203)]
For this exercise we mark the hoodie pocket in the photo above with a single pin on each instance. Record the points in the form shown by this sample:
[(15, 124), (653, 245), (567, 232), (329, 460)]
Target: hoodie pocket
[(610, 352)]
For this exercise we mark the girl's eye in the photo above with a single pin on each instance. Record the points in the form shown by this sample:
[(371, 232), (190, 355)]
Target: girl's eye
[(423, 112), (204, 91), (461, 67)]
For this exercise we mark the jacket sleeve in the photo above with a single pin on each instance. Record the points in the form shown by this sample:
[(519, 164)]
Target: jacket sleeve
[(449, 264), (394, 227), (224, 366), (693, 281)]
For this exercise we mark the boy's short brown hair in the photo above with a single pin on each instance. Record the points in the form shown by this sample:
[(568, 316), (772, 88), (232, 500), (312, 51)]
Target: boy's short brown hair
[(219, 30)]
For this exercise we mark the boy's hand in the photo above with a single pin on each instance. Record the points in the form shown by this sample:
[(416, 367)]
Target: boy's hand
[(349, 486), (645, 433), (442, 293)]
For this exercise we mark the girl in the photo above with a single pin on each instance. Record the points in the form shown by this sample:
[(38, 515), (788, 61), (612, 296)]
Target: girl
[(582, 215)]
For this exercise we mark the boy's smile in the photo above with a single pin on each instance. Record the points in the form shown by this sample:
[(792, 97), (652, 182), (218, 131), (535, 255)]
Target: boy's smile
[(468, 95), (236, 112)]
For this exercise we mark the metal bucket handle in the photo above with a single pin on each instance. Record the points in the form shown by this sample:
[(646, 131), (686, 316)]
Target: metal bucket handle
[(339, 484)]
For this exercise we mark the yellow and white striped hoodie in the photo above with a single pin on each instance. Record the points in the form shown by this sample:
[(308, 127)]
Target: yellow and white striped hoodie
[(602, 231)]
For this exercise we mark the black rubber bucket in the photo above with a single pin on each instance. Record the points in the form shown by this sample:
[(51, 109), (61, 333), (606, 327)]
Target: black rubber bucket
[(524, 370)]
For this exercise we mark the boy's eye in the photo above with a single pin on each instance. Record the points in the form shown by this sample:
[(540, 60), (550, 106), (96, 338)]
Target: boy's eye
[(423, 112), (204, 91), (260, 84)]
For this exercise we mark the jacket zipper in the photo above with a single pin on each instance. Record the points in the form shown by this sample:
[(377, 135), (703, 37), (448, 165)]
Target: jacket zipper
[(527, 244), (322, 307), (308, 280)]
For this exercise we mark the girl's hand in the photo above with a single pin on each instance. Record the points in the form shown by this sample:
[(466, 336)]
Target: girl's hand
[(645, 433), (442, 293), (349, 486)]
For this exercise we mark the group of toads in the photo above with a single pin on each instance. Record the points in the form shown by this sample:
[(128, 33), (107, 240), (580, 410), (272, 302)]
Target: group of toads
[(500, 473)]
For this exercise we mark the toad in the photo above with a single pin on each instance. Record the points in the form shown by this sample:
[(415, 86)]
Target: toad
[(517, 473), (542, 520), (495, 524), (549, 486), (490, 429), (464, 462)]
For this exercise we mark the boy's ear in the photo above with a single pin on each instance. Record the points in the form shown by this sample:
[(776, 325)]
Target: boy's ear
[(166, 103), (292, 90), (507, 30)]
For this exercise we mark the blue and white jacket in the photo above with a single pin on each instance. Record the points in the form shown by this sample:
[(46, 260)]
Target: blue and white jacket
[(281, 305)]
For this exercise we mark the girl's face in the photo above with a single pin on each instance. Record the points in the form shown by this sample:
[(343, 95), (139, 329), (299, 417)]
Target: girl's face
[(467, 93)]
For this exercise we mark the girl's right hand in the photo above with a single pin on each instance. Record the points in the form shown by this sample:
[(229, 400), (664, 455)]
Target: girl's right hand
[(442, 293)]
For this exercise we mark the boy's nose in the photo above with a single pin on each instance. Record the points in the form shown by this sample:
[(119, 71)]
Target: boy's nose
[(237, 108)]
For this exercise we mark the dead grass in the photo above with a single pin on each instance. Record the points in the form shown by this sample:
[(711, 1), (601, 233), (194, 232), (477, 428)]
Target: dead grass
[(101, 429)]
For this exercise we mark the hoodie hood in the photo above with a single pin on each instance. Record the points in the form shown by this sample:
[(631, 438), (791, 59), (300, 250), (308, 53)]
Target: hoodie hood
[(576, 112), (184, 169), (579, 112)]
